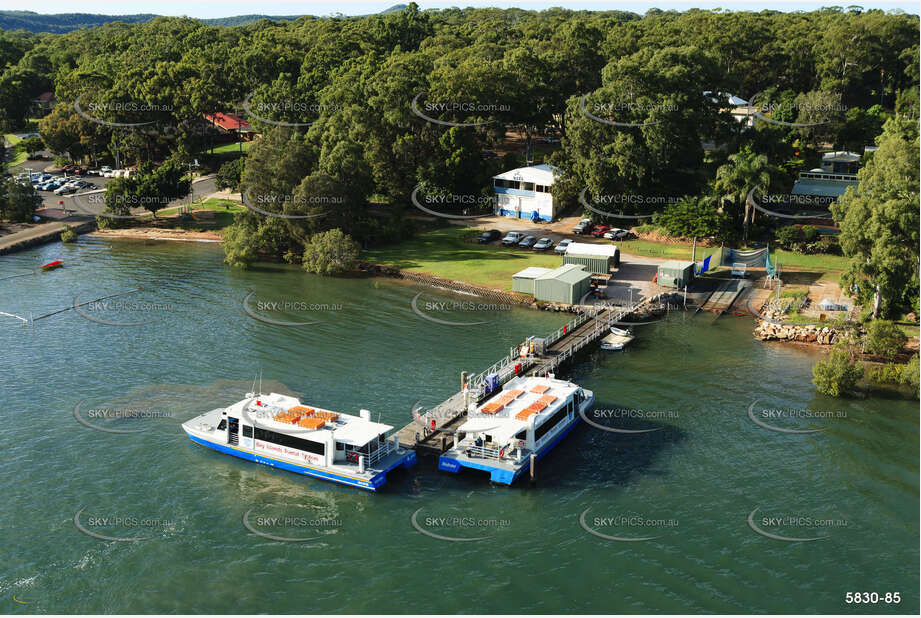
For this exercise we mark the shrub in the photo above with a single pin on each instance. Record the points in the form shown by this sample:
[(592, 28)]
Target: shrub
[(330, 253), (884, 338), (838, 374), (788, 236), (69, 234), (230, 174)]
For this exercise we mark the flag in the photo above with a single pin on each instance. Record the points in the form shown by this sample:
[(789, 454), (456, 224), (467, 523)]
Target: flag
[(706, 265)]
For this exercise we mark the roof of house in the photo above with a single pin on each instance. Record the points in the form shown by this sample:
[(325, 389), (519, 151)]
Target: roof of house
[(584, 248), (542, 174), (567, 273), (817, 186), (228, 122), (841, 155), (532, 272)]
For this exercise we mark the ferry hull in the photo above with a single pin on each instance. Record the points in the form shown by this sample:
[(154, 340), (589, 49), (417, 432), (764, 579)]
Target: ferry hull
[(371, 484)]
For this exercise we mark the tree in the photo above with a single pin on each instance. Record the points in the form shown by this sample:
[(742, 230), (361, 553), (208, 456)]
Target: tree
[(744, 171), (151, 188), (884, 338), (838, 374), (17, 201), (252, 236), (693, 217), (31, 145), (230, 175), (879, 222), (330, 253)]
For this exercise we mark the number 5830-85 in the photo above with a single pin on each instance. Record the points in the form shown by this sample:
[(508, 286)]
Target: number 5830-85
[(872, 597)]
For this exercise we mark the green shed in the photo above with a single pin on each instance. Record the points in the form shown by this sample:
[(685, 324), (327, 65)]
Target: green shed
[(675, 273), (595, 258), (523, 281), (566, 284)]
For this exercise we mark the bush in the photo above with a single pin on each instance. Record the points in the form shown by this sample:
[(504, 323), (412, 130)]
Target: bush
[(330, 253), (884, 338), (788, 236), (893, 373), (230, 174), (838, 374), (69, 234)]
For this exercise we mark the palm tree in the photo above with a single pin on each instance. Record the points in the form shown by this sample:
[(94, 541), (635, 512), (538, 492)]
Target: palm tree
[(744, 171)]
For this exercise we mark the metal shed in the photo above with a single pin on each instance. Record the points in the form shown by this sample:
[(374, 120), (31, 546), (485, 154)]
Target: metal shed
[(675, 274), (566, 284), (523, 281), (599, 259)]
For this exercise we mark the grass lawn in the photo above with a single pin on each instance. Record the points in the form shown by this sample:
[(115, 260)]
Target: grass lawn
[(223, 213), (18, 157), (229, 148), (677, 251), (444, 253)]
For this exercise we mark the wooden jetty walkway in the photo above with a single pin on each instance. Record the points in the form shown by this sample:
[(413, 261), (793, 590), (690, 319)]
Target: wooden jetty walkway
[(432, 432)]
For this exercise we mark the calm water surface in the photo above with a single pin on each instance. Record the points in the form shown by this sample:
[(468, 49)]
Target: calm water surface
[(691, 483)]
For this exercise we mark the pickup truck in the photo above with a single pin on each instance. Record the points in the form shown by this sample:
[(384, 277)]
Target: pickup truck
[(512, 238), (583, 227)]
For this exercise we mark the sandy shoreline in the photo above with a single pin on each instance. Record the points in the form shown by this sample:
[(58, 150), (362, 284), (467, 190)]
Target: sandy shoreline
[(152, 233)]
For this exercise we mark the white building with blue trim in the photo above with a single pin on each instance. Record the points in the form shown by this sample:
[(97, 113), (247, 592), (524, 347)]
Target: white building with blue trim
[(524, 193)]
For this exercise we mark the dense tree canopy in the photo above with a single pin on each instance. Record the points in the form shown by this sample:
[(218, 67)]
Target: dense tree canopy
[(634, 100)]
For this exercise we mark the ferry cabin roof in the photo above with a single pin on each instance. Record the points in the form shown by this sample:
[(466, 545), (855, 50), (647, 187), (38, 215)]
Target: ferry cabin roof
[(349, 429), (503, 425)]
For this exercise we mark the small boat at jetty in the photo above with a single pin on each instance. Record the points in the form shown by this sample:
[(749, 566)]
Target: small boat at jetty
[(618, 338), (52, 265)]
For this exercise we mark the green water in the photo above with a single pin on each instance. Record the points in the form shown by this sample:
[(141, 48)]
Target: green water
[(693, 482)]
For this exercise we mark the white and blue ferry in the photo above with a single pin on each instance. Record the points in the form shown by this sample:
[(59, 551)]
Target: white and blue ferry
[(279, 431), (530, 415)]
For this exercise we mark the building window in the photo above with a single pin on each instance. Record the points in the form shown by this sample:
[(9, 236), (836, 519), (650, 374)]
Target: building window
[(247, 431), (527, 186)]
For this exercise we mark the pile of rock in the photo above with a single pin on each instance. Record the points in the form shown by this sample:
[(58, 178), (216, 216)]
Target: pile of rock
[(806, 333)]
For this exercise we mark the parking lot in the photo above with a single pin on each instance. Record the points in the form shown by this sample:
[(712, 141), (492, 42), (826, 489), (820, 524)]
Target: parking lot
[(57, 206), (631, 281)]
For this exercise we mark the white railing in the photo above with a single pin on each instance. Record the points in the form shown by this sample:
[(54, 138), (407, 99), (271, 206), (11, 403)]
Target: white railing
[(374, 456), (483, 452)]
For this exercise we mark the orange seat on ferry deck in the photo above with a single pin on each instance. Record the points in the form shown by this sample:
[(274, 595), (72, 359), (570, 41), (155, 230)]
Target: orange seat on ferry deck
[(491, 408), (300, 411), (548, 399), (540, 389), (326, 416), (515, 393), (537, 406), (524, 414), (309, 422)]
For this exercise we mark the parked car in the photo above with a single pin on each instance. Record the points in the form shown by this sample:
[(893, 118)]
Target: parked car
[(600, 230), (527, 242), (489, 236), (561, 248), (543, 244), (550, 140), (512, 238), (66, 189), (488, 154), (80, 171), (615, 233), (583, 227), (67, 168)]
